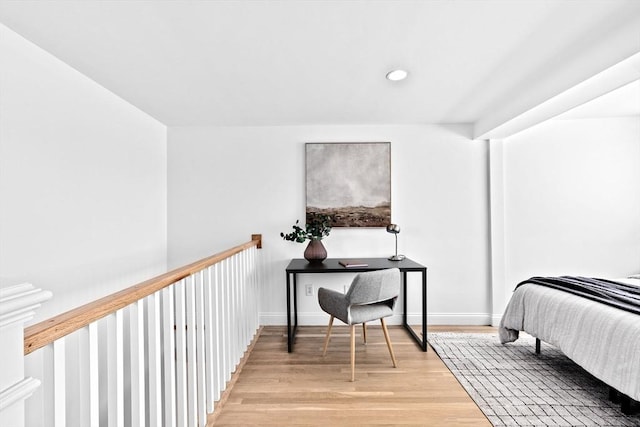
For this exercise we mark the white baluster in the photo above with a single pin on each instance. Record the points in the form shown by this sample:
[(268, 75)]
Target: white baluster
[(137, 363), (243, 315), (89, 384), (223, 313), (181, 355), (236, 314), (169, 346), (200, 348), (239, 313), (243, 299), (192, 382), (257, 285), (249, 298), (209, 329), (218, 332), (239, 317), (115, 369), (154, 360), (228, 311), (231, 318), (255, 290), (240, 305), (249, 295), (54, 386)]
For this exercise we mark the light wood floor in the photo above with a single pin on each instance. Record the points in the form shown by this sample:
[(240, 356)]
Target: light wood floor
[(276, 388)]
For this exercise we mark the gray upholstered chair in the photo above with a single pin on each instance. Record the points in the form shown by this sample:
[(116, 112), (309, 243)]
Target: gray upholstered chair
[(371, 296)]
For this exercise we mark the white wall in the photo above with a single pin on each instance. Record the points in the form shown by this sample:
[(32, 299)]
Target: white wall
[(227, 183), (83, 184), (82, 181), (572, 199)]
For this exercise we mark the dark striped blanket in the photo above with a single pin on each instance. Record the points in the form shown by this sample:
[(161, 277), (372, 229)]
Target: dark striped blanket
[(620, 295)]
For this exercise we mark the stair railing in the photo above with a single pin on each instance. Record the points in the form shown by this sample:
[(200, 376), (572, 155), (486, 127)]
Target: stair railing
[(159, 353)]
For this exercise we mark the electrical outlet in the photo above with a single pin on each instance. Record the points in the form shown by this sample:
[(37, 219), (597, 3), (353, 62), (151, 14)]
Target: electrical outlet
[(308, 290)]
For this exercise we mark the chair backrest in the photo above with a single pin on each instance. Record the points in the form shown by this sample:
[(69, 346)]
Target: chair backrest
[(374, 286)]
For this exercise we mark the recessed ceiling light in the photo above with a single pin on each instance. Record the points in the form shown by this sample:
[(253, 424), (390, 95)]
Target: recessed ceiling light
[(397, 75)]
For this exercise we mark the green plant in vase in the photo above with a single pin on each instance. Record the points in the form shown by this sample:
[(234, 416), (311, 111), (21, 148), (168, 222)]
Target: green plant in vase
[(317, 228)]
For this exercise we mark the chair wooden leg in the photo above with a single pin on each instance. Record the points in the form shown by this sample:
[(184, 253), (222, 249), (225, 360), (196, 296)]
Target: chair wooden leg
[(386, 337), (326, 339), (353, 353), (364, 332)]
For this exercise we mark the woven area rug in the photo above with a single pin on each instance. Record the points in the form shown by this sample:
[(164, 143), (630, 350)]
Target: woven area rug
[(515, 387)]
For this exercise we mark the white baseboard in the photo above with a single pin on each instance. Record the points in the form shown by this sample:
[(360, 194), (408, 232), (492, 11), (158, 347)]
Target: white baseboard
[(319, 319), (311, 319), (495, 319), (475, 319)]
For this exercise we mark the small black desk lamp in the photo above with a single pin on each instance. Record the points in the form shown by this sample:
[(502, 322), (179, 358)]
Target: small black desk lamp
[(395, 229)]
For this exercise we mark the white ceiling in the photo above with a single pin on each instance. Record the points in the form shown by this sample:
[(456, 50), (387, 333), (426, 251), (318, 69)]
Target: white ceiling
[(324, 62)]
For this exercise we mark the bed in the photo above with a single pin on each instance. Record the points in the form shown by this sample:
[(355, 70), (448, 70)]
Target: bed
[(602, 339)]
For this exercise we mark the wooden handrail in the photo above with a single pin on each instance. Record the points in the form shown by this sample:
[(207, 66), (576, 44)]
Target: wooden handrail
[(47, 331)]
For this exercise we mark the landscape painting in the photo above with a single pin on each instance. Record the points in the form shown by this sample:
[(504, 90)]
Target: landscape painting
[(349, 181)]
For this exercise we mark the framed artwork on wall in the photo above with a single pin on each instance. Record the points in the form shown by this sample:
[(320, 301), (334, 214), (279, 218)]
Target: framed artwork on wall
[(349, 181)]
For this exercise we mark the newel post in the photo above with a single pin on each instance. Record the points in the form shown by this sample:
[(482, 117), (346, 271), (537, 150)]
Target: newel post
[(17, 306)]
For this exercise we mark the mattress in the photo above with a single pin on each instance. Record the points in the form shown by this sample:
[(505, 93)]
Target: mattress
[(603, 340)]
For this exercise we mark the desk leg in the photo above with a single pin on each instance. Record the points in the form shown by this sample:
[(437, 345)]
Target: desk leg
[(289, 338), (422, 341), (424, 311), (295, 309), (404, 299), (291, 331)]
